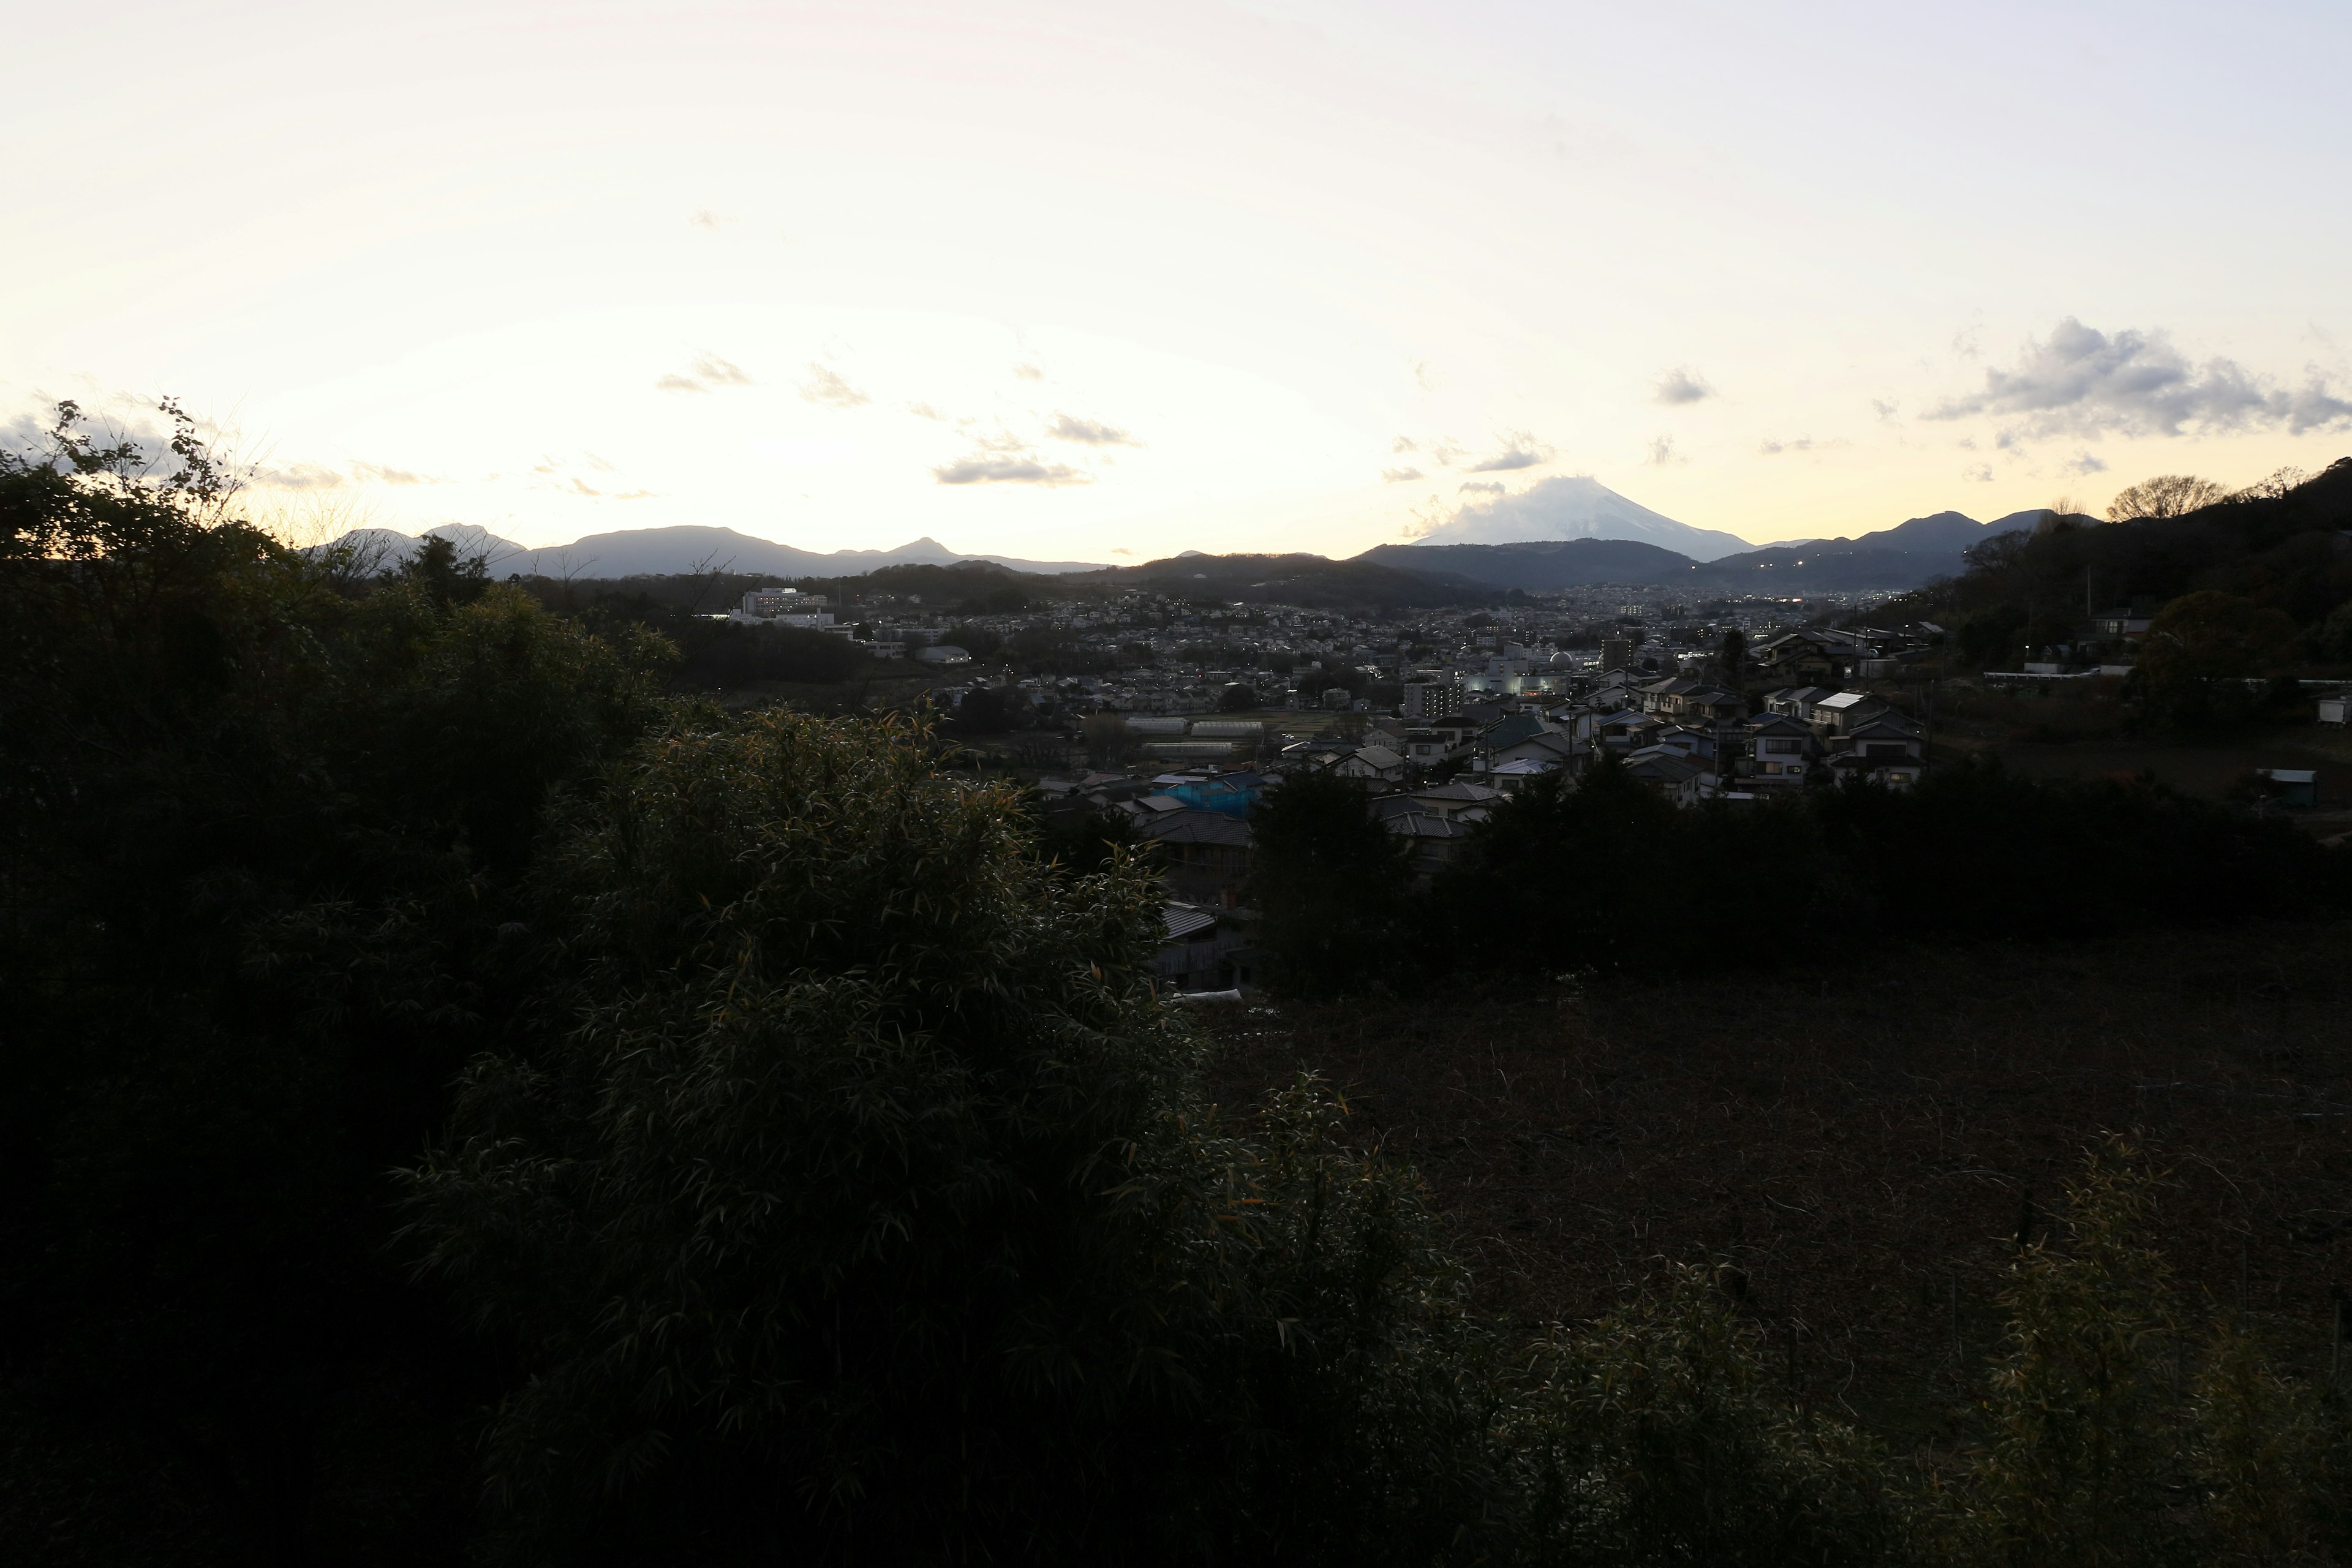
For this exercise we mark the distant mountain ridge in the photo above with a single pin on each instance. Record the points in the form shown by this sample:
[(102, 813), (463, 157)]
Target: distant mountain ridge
[(1540, 564), (1908, 555), (686, 548), (1566, 508)]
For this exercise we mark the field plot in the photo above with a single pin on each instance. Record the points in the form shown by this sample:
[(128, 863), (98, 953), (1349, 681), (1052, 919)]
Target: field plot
[(1865, 1150)]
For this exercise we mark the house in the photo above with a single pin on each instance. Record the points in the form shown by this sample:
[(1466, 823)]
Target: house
[(1204, 950), (1804, 656), (1511, 729), (1514, 776), (1547, 753), (1661, 696), (1204, 854), (2332, 708), (1883, 736), (1840, 714), (1780, 749), (1796, 701), (1434, 838), (1369, 764), (1624, 728), (1678, 779), (1424, 747), (1460, 800)]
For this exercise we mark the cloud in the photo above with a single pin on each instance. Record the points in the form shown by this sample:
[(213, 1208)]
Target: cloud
[(1121, 550), (1421, 376), (2083, 381), (925, 411), (717, 371), (383, 474), (1981, 473), (1885, 407), (634, 495), (581, 486), (1008, 470), (1029, 373), (298, 476), (705, 218), (1403, 444), (2085, 463), (1661, 453), (1681, 385), (679, 384), (1482, 487), (826, 386), (1520, 450), (1088, 432), (25, 436), (1399, 476)]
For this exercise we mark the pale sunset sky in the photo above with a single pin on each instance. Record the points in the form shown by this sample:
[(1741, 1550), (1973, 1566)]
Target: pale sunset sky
[(1103, 282)]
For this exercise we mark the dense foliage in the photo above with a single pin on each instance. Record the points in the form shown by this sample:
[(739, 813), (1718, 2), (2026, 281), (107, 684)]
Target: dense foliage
[(1605, 874), (2254, 581)]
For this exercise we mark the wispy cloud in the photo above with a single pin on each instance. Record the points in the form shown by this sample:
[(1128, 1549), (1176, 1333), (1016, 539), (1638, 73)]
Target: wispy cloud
[(1403, 444), (925, 411), (1981, 473), (298, 476), (824, 385), (1662, 453), (1399, 476), (1481, 486), (383, 474), (1029, 372), (2083, 381), (2085, 463), (705, 218), (1680, 385), (992, 469), (1088, 432), (709, 371), (1520, 450)]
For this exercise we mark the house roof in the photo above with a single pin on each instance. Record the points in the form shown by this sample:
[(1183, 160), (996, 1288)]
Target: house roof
[(1184, 921), (1777, 724), (1190, 826), (1845, 701), (1461, 790), (1511, 731), (1423, 824), (1523, 767)]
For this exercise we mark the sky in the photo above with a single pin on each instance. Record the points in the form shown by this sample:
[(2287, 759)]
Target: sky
[(1104, 282)]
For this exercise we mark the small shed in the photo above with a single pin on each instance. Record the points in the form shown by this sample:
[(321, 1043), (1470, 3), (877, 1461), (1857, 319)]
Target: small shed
[(2290, 786)]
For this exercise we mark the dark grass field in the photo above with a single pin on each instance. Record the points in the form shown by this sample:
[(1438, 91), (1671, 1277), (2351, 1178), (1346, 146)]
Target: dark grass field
[(1864, 1147)]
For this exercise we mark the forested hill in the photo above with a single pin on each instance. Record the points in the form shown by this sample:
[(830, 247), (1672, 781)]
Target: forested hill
[(2278, 554), (1314, 581)]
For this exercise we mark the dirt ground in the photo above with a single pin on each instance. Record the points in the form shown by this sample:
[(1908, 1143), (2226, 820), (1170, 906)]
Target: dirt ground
[(1866, 1147)]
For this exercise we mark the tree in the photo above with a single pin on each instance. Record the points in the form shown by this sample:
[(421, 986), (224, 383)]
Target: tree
[(857, 1200), (1732, 656), (445, 577), (1330, 884), (2167, 495), (1109, 742), (1236, 698)]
